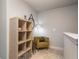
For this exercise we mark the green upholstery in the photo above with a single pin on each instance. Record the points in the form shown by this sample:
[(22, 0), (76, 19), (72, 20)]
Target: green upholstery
[(41, 42)]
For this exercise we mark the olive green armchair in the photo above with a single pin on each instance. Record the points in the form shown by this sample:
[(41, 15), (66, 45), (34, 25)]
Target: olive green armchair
[(41, 42)]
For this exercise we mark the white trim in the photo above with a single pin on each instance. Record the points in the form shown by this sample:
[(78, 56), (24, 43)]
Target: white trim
[(57, 48)]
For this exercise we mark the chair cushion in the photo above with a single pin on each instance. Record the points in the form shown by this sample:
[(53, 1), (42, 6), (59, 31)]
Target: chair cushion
[(42, 39)]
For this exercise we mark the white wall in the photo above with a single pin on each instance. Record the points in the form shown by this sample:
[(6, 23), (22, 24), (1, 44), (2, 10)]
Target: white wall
[(3, 30), (17, 8), (57, 21)]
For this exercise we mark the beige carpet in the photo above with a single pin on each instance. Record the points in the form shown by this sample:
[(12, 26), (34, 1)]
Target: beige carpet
[(47, 54)]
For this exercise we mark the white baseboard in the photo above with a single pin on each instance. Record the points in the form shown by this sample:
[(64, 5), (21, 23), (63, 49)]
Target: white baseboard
[(57, 48)]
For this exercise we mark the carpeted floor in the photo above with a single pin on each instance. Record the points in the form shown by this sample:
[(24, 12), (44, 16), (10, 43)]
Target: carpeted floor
[(47, 54)]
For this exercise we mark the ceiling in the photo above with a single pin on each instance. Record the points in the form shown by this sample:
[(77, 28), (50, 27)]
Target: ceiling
[(42, 5)]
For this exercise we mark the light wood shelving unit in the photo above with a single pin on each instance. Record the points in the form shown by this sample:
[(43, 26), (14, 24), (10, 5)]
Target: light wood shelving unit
[(20, 42)]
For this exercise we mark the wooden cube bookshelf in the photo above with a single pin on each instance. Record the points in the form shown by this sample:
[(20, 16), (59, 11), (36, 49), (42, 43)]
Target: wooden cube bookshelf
[(20, 41)]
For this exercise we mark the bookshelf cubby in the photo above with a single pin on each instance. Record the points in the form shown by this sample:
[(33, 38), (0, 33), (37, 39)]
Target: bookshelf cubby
[(22, 25), (21, 48), (20, 38), (29, 25), (23, 56), (28, 44), (28, 35), (28, 55)]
